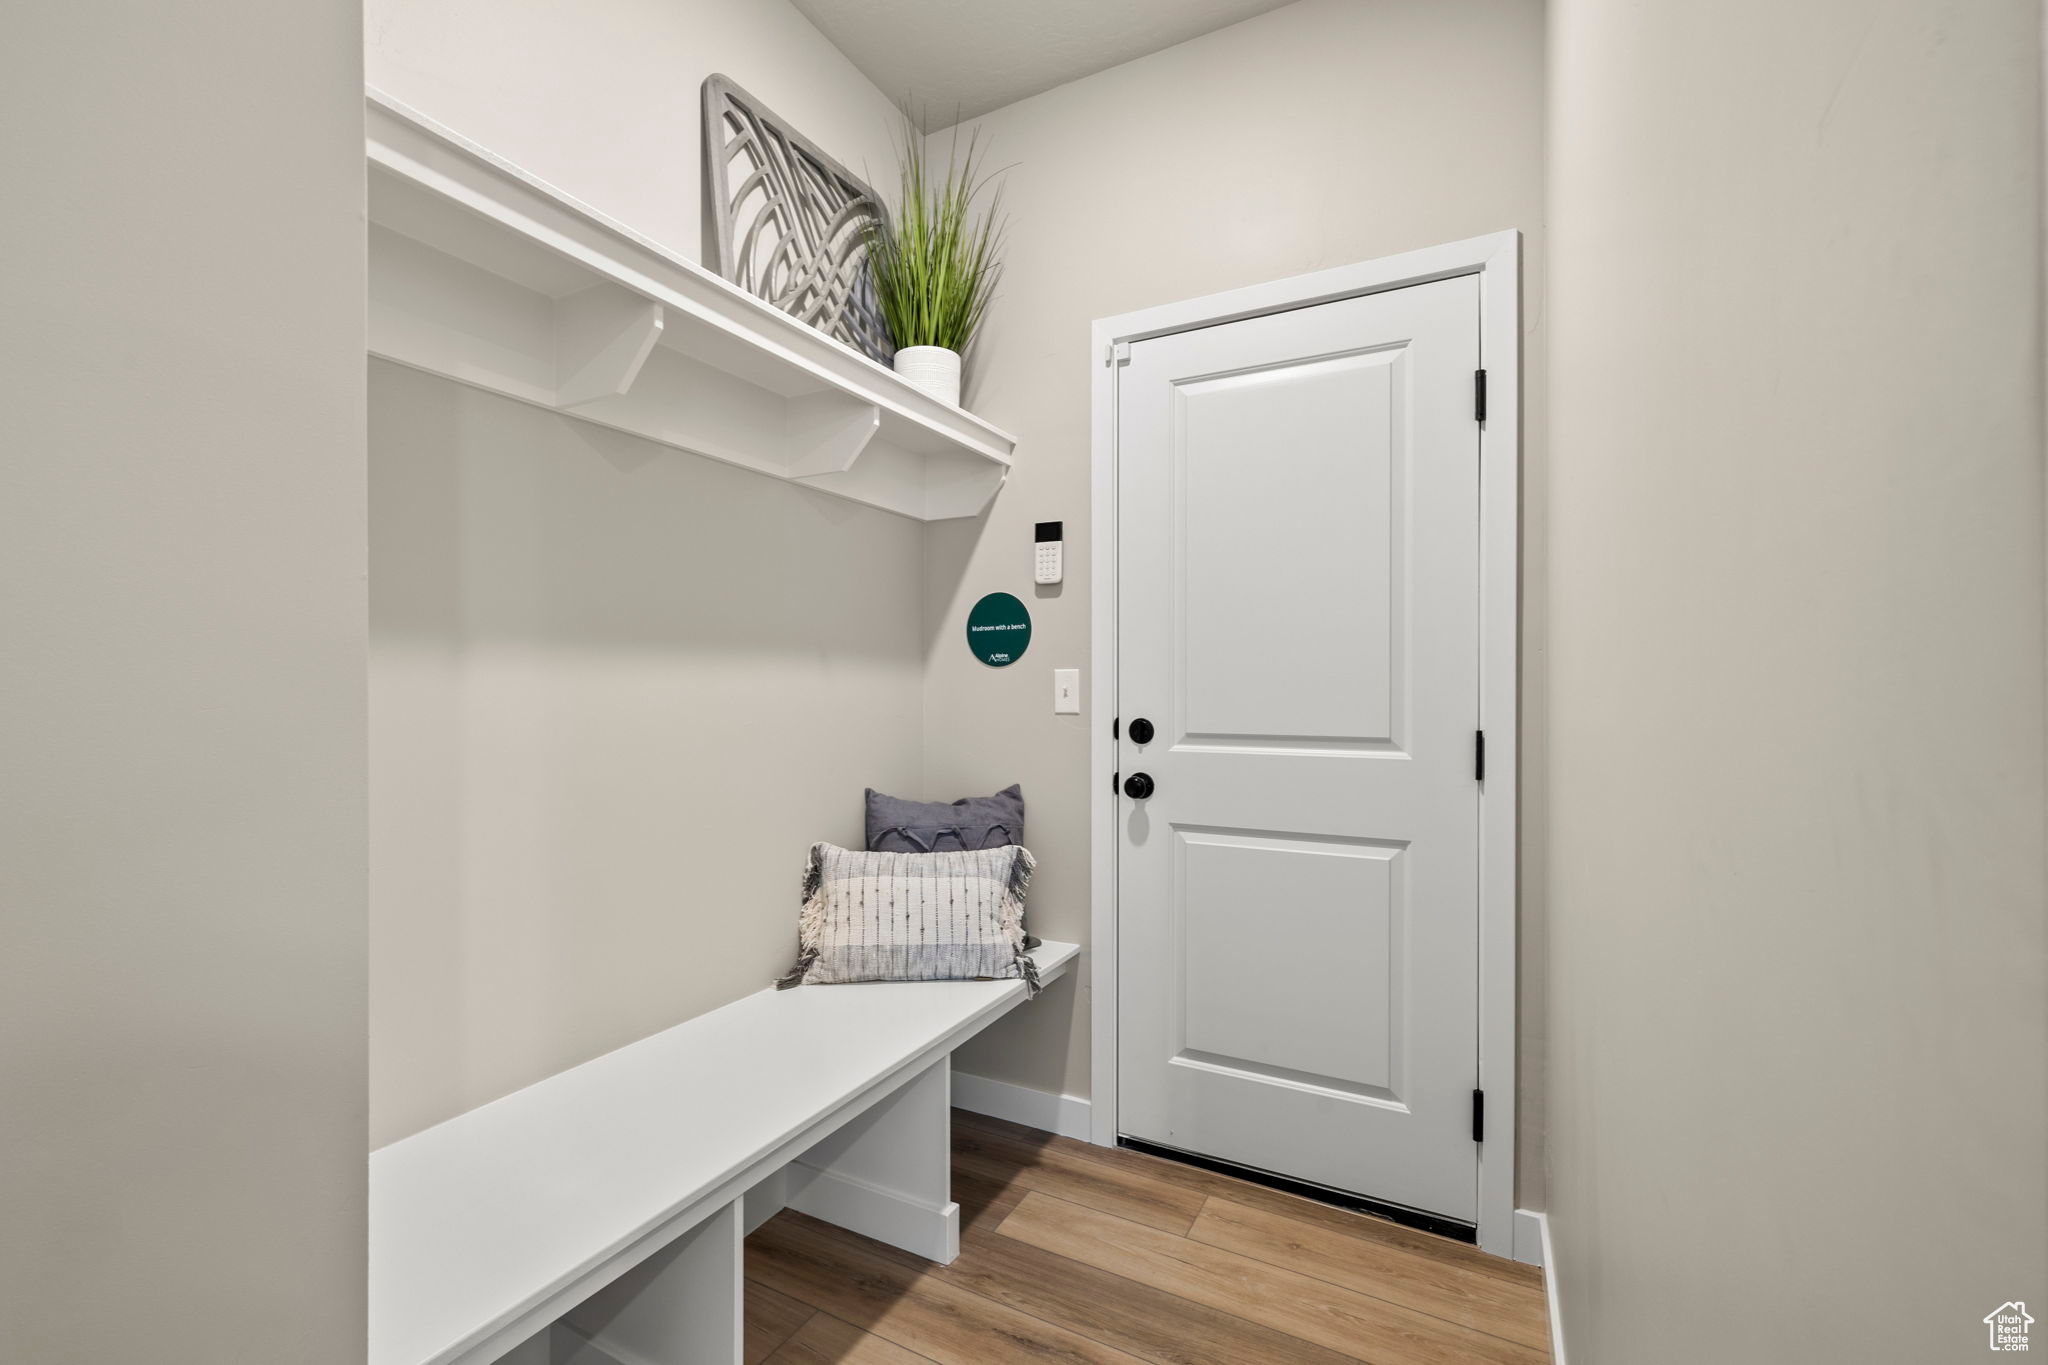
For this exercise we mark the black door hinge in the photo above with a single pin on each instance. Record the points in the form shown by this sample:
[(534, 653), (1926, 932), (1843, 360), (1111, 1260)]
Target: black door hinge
[(1479, 395), (1479, 1116), (1479, 755), (1114, 785), (1113, 724)]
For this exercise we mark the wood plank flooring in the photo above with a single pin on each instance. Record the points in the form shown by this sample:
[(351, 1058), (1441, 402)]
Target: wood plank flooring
[(1099, 1256)]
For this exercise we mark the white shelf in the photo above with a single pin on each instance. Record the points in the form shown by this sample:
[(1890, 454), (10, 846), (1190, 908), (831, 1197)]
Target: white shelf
[(483, 274)]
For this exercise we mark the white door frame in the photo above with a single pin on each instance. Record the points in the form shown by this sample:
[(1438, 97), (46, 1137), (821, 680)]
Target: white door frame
[(1496, 260)]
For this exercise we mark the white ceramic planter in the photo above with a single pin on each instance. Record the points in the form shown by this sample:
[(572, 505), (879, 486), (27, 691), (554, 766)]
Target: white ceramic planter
[(934, 369)]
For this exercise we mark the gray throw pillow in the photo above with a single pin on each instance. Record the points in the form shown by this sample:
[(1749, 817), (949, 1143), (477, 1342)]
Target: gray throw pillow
[(899, 826), (913, 917)]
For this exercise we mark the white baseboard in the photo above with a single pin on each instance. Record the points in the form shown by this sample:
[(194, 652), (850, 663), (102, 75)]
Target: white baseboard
[(1557, 1356), (1066, 1115), (932, 1231), (901, 1220), (1528, 1237)]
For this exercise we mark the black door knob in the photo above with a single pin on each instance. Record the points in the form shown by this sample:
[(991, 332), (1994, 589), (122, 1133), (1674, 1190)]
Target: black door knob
[(1141, 731), (1138, 786)]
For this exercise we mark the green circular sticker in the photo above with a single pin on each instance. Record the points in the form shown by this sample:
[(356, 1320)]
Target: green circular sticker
[(998, 630)]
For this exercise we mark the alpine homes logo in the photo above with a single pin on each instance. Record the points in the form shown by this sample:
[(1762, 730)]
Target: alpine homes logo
[(2008, 1325)]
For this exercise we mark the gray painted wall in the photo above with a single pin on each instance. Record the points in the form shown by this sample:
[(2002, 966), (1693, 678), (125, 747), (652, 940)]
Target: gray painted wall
[(601, 100), (616, 692), (542, 790), (1800, 1034), (181, 684), (1322, 134)]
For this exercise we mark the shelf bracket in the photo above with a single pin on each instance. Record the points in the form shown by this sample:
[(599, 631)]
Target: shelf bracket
[(482, 275), (962, 492), (603, 335), (826, 432)]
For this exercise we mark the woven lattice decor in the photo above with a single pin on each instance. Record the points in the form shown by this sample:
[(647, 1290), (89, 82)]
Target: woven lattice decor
[(789, 220)]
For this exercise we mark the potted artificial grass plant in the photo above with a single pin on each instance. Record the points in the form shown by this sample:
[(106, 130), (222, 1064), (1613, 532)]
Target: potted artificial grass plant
[(935, 267)]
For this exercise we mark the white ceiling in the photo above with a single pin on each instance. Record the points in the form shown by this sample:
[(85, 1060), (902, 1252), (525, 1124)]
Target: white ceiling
[(960, 58)]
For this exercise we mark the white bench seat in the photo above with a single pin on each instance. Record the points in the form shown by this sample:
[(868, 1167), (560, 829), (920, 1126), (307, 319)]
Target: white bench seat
[(486, 1229)]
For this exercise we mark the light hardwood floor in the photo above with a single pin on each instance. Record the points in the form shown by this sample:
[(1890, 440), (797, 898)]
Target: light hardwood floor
[(1070, 1252)]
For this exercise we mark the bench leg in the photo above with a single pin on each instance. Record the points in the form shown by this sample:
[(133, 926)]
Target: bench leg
[(888, 1174), (680, 1306)]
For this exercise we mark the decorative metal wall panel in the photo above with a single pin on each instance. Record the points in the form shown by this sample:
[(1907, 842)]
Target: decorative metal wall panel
[(789, 221)]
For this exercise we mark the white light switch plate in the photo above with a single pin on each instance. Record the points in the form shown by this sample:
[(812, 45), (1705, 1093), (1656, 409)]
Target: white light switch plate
[(1066, 691)]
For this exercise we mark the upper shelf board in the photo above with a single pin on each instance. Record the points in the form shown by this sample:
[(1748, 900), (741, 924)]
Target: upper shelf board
[(484, 274)]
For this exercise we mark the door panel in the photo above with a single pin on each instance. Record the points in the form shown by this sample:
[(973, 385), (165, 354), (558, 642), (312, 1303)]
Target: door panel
[(1298, 617), (1262, 659), (1254, 1003)]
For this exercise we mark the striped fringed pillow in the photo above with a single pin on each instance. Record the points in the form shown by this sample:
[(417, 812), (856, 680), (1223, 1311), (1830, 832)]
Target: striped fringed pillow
[(913, 916)]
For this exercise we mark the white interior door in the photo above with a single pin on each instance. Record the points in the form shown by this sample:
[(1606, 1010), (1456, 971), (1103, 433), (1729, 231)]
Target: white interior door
[(1298, 619)]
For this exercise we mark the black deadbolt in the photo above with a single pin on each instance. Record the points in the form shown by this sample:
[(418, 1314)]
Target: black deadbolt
[(1141, 731), (1138, 786)]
